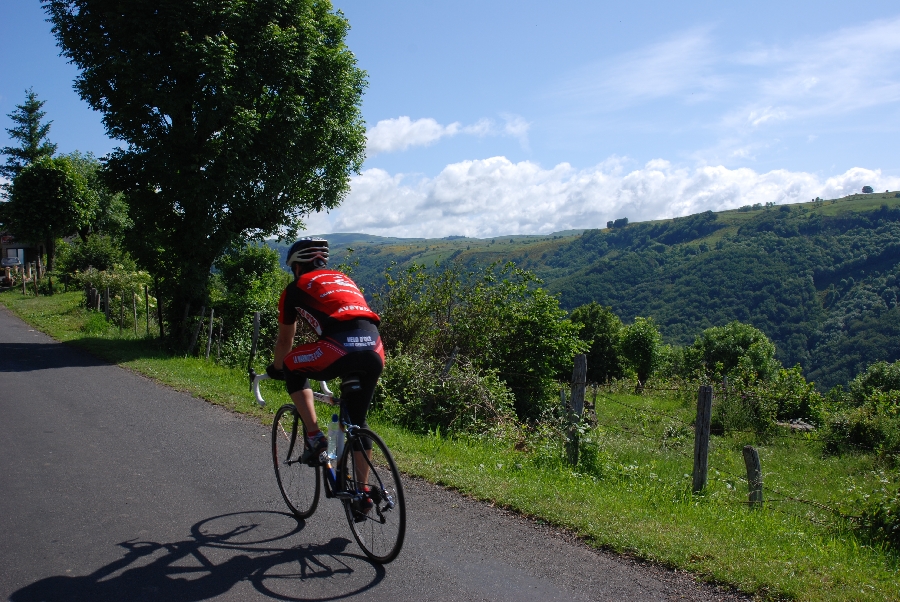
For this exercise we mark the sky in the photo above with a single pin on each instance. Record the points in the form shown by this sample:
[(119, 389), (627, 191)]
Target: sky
[(516, 117)]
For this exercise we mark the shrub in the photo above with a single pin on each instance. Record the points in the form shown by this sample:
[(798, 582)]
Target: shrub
[(414, 392), (97, 251), (498, 317), (867, 416), (600, 328), (879, 518), (880, 377), (875, 511), (719, 350), (250, 279), (122, 283), (640, 343)]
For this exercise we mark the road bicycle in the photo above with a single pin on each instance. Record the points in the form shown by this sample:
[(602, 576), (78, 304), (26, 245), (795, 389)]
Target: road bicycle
[(366, 483)]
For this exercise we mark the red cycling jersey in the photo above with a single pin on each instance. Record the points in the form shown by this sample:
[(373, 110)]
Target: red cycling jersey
[(324, 298)]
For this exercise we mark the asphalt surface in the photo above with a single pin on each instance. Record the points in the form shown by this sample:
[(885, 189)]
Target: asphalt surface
[(115, 488)]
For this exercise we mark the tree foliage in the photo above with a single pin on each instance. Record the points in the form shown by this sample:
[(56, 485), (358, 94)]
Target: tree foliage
[(640, 347), (31, 134), (248, 279), (721, 350), (97, 251), (49, 199), (602, 330), (497, 317), (111, 218), (239, 119)]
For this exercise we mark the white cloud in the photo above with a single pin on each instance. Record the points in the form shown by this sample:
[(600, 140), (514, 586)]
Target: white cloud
[(493, 197), (847, 70), (400, 133), (831, 74), (678, 65), (390, 135)]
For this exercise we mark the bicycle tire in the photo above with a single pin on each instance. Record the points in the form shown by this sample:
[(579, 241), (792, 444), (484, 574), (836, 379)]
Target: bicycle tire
[(381, 531), (300, 484)]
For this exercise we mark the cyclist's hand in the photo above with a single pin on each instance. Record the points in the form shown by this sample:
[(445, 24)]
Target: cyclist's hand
[(274, 373)]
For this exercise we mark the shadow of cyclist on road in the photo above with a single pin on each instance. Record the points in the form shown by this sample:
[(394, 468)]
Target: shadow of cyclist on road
[(187, 570)]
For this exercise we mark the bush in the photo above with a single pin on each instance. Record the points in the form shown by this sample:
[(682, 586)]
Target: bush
[(122, 283), (875, 512), (879, 519), (497, 317), (867, 416), (880, 377), (414, 392), (719, 351), (100, 252), (600, 328), (249, 279), (639, 345)]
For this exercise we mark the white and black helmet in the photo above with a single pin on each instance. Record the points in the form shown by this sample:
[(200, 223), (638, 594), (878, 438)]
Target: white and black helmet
[(308, 250)]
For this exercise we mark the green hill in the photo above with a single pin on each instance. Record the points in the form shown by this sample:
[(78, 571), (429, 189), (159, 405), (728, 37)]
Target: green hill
[(819, 278)]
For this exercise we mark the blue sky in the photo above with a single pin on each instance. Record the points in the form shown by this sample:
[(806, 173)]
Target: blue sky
[(489, 118)]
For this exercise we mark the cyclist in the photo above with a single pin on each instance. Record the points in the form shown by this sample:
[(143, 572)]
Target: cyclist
[(348, 344)]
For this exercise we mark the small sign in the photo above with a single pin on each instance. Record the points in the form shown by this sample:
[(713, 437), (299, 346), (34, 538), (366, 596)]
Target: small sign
[(9, 262), (7, 239)]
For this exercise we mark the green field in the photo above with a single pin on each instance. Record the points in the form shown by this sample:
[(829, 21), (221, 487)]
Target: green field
[(630, 492)]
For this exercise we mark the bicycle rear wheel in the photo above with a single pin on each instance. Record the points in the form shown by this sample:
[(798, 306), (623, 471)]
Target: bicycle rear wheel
[(377, 512), (299, 483)]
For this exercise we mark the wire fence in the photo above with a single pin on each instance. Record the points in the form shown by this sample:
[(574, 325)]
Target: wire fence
[(777, 498)]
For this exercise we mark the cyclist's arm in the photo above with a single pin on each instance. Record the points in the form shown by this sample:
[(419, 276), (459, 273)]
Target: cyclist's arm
[(284, 343)]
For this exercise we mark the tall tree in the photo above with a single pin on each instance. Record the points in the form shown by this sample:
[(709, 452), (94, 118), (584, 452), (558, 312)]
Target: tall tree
[(111, 218), (49, 199), (240, 118), (31, 134), (640, 347), (602, 330)]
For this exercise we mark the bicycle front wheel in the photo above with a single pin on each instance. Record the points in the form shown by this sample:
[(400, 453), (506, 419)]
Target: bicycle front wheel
[(376, 509), (299, 483)]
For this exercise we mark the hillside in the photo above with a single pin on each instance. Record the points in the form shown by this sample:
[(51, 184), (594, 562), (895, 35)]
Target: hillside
[(819, 278)]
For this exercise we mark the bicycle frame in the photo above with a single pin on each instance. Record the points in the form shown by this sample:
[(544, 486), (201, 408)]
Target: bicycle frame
[(328, 471), (326, 397)]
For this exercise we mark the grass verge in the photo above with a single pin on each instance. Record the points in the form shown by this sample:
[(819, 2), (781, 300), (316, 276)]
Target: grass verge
[(630, 493)]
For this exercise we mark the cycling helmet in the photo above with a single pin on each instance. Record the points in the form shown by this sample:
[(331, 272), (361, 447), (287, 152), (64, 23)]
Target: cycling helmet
[(312, 251)]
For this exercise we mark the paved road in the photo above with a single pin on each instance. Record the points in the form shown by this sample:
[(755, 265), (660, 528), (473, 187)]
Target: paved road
[(115, 488)]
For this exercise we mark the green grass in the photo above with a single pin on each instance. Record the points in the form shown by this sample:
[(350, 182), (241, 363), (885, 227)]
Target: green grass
[(630, 493)]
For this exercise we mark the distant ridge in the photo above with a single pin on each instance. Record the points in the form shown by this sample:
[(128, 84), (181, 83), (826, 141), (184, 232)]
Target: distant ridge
[(821, 278)]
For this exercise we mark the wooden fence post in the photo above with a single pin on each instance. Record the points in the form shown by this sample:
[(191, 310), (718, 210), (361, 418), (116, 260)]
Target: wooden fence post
[(196, 332), (579, 383), (450, 362), (219, 341), (575, 407), (159, 313), (212, 313), (253, 341), (754, 476), (701, 437), (147, 308), (134, 310)]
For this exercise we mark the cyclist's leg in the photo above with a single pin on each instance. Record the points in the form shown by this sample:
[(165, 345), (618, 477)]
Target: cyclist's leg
[(312, 360), (303, 400), (367, 366)]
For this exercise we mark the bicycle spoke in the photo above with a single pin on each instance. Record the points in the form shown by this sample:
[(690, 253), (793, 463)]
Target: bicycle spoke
[(299, 484), (378, 526)]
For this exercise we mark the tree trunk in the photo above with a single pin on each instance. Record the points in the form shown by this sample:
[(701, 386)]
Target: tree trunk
[(189, 287), (50, 246)]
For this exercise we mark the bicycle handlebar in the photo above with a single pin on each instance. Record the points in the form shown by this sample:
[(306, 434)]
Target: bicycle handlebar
[(325, 397)]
